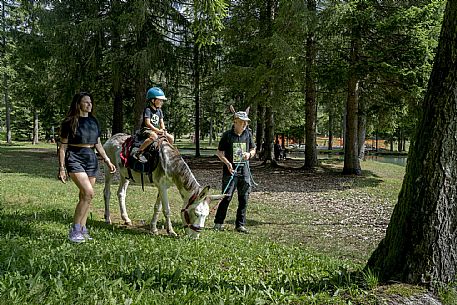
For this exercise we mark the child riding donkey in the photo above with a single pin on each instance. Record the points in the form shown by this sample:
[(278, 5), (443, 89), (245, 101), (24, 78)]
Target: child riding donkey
[(153, 125), (163, 166)]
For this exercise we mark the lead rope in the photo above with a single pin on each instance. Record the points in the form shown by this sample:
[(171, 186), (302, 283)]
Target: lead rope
[(250, 175), (229, 182)]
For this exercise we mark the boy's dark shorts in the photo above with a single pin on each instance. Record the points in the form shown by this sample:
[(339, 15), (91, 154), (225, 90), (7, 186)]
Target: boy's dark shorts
[(81, 159), (146, 133)]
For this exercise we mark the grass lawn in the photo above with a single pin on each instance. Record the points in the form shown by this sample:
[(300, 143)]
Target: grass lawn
[(311, 234)]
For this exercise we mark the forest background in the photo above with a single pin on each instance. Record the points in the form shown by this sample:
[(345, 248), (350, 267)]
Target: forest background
[(349, 69)]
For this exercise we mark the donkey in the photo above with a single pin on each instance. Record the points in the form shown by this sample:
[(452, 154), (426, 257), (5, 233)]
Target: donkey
[(171, 169)]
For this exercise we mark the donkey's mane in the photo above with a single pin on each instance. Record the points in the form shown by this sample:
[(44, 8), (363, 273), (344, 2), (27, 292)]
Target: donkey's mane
[(175, 166)]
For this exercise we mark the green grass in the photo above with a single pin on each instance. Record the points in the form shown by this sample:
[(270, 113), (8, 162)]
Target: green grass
[(279, 263)]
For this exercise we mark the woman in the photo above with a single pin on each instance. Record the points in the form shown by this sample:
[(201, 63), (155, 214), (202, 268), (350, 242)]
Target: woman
[(79, 135)]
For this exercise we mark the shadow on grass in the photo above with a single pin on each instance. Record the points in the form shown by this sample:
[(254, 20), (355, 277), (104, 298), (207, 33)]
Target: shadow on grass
[(175, 278), (21, 224), (37, 162)]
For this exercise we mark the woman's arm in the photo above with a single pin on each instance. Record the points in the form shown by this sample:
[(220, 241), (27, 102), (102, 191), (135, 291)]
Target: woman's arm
[(62, 149), (102, 153)]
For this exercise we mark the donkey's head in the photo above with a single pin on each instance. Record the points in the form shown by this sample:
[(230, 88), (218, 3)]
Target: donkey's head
[(196, 211)]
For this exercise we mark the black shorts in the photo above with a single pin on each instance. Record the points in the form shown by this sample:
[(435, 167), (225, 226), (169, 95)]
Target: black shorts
[(81, 159)]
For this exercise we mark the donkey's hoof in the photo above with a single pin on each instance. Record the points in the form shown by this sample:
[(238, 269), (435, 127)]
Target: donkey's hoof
[(108, 220), (155, 232), (128, 223), (172, 234)]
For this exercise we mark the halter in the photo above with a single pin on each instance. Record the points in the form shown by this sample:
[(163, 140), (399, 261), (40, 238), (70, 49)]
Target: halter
[(185, 211)]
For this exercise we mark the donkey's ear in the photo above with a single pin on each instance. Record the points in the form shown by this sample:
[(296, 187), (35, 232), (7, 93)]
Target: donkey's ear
[(247, 110), (203, 193), (232, 109)]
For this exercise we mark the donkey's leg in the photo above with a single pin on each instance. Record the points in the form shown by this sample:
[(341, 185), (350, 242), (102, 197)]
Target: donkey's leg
[(107, 194), (155, 217), (121, 194), (166, 211)]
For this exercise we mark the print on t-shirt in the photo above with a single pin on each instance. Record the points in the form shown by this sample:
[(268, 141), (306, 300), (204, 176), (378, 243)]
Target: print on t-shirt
[(155, 119), (238, 150)]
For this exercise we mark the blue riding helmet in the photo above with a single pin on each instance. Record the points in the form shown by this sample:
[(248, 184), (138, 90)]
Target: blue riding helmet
[(155, 92)]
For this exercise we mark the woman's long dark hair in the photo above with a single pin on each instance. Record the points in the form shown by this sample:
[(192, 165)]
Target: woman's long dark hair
[(72, 117)]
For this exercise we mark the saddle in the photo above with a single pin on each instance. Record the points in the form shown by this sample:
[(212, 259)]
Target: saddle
[(151, 153)]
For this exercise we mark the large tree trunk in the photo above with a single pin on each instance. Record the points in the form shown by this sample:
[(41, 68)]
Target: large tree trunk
[(197, 99), (311, 101), (420, 245), (118, 117), (269, 135), (116, 75), (140, 96), (361, 130), (351, 156), (5, 84)]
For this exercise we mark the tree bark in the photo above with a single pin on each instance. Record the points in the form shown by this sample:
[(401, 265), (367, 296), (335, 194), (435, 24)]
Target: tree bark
[(197, 99), (116, 78), (118, 117), (330, 130), (140, 96), (351, 156), (35, 127), (311, 101), (269, 135), (5, 85), (259, 134), (420, 245), (361, 130)]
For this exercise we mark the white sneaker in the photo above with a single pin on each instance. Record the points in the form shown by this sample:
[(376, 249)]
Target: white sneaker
[(85, 233), (75, 235)]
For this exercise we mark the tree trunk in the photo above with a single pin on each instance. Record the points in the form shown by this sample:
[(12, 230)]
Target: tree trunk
[(377, 139), (140, 96), (311, 101), (269, 135), (197, 99), (5, 84), (351, 156), (330, 130), (116, 74), (420, 245), (118, 117), (259, 133), (361, 131), (35, 127)]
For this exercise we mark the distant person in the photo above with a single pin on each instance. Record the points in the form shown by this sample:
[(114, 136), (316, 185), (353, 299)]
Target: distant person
[(79, 135), (277, 151), (235, 149), (153, 125)]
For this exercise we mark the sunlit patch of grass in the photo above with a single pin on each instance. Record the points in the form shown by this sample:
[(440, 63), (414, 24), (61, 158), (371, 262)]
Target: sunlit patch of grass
[(403, 290), (448, 294)]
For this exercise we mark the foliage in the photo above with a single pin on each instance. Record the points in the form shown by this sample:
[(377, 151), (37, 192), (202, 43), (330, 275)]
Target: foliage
[(113, 48)]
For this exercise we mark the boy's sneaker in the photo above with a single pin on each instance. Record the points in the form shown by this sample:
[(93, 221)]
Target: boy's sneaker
[(85, 233), (242, 229), (139, 156), (75, 234), (218, 227)]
